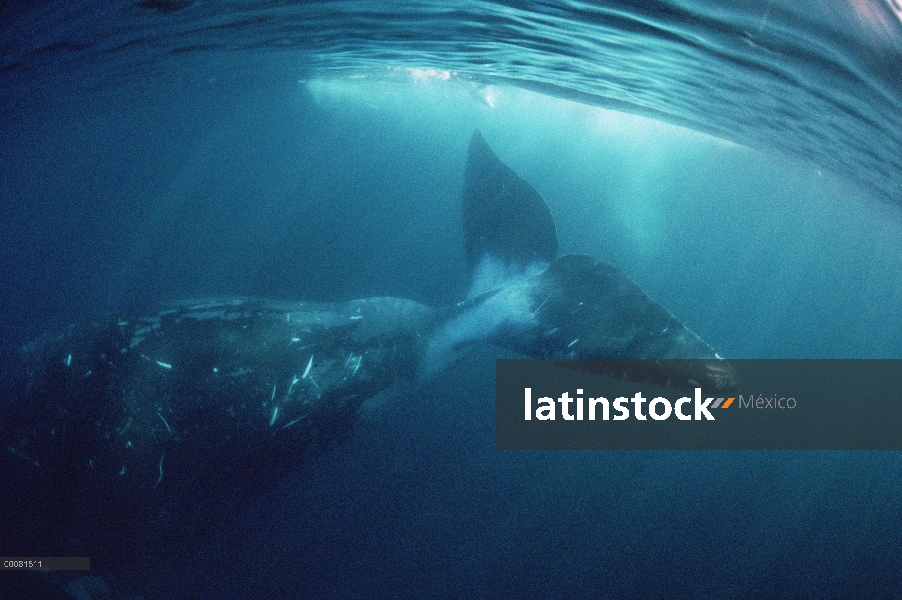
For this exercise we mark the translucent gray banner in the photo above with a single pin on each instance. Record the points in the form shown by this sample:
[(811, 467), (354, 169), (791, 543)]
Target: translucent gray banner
[(699, 405)]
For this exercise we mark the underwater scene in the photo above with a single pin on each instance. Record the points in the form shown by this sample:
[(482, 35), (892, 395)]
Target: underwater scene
[(258, 259)]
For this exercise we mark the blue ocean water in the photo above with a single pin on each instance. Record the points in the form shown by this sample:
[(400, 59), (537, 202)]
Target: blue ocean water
[(739, 160)]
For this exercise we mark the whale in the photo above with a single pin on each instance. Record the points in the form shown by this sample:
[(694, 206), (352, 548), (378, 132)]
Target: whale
[(130, 438)]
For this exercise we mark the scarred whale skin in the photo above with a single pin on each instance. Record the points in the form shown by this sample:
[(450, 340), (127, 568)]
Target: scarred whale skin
[(141, 434)]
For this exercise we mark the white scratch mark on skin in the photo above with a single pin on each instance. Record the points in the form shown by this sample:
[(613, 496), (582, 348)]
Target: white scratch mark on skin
[(316, 384), (307, 370), (542, 304), (573, 342), (294, 380), (162, 418), (275, 413), (273, 393), (356, 361), (356, 317), (69, 360), (160, 478), (290, 423), (164, 365)]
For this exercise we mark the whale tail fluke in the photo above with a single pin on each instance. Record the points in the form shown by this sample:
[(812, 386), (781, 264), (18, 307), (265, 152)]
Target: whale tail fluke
[(525, 298), (508, 227), (582, 308)]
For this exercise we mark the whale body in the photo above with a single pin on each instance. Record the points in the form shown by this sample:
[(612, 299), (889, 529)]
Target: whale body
[(130, 438)]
